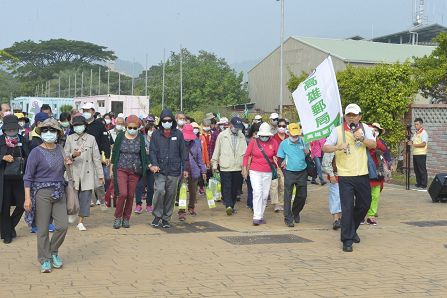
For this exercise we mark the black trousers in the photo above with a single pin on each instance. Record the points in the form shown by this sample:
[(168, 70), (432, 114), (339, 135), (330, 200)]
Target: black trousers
[(299, 180), (420, 169), (13, 194), (231, 184), (355, 199)]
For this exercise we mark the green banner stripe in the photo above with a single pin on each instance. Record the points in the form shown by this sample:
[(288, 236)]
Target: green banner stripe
[(323, 132)]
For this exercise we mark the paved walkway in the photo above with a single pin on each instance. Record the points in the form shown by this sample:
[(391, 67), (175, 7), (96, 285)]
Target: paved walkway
[(393, 258)]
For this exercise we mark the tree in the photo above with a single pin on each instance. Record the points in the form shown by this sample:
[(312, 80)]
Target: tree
[(207, 81), (431, 72), (66, 108), (384, 92)]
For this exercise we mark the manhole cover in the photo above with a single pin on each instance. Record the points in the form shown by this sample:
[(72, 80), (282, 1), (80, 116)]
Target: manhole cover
[(427, 223), (264, 239), (195, 227)]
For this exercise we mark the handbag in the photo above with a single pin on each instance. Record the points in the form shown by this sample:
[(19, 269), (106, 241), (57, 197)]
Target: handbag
[(71, 195), (272, 168), (310, 164), (15, 168)]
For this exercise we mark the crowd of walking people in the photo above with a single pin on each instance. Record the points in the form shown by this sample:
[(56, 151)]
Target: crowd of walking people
[(113, 160)]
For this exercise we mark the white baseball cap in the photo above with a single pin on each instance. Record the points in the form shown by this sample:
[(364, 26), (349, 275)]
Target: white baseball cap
[(258, 117), (353, 109), (274, 116), (121, 115), (88, 106), (223, 120)]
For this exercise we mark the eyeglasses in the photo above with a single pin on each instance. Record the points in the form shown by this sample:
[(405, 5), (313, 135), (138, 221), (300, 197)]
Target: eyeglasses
[(48, 129), (283, 126), (166, 120)]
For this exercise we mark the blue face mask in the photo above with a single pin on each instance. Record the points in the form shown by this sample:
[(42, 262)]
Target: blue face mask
[(132, 132), (264, 139), (87, 115), (79, 129), (49, 137)]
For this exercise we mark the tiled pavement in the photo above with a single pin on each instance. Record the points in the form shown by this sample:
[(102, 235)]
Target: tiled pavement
[(393, 258)]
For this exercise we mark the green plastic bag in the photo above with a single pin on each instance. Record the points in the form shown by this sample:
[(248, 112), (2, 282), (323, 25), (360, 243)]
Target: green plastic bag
[(210, 198), (218, 193), (183, 196)]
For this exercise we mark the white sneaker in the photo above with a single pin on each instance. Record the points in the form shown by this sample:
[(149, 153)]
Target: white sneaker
[(98, 202), (81, 227), (104, 207), (72, 219)]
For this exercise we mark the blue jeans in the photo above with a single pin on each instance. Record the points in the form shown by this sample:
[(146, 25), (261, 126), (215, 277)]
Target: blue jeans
[(317, 161), (142, 183), (106, 176), (334, 199)]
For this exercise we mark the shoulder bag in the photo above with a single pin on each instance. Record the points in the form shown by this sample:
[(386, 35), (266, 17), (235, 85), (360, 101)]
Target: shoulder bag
[(16, 168), (272, 167)]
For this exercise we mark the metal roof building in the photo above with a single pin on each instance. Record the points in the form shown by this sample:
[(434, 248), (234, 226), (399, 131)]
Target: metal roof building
[(423, 35), (303, 54)]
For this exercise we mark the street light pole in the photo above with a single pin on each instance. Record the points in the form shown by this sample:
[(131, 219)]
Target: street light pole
[(281, 75)]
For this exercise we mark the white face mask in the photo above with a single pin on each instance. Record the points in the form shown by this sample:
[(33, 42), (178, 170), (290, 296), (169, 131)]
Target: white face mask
[(281, 130), (196, 130), (181, 122), (108, 121), (293, 139), (119, 127)]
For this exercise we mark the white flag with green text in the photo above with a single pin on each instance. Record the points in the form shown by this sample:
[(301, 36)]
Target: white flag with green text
[(318, 102)]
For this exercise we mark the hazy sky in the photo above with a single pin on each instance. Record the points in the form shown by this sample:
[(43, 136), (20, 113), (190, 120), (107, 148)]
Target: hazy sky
[(238, 30)]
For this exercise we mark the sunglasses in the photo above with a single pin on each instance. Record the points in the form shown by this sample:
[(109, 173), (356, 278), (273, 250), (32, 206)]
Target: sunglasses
[(48, 129), (131, 127), (276, 119), (283, 126), (166, 120)]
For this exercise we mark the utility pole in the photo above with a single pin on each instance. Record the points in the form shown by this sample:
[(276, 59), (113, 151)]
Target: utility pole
[(69, 85), (181, 79), (75, 86), (59, 86), (281, 76), (82, 83), (91, 81), (119, 83), (108, 81), (163, 89), (99, 80)]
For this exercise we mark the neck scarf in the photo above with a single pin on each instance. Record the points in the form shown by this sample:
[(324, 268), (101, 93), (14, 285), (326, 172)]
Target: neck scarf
[(11, 142)]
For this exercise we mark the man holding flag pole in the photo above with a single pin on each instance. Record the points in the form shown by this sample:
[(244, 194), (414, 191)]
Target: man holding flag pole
[(317, 100)]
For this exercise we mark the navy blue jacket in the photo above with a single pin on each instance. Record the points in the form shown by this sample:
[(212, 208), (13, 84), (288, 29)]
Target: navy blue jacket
[(168, 153)]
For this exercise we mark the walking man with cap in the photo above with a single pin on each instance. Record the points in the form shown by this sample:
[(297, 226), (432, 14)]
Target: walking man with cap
[(350, 142), (227, 159), (292, 158)]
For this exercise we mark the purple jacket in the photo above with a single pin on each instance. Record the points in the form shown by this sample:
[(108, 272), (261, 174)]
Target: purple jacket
[(197, 166)]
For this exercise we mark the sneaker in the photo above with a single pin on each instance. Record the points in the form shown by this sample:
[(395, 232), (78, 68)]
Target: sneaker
[(314, 182), (182, 216), (256, 222), (92, 204), (297, 218), (201, 190), (57, 262), (278, 208), (238, 198), (323, 183), (336, 225), (45, 267), (117, 223), (51, 228), (72, 219), (138, 209), (156, 222), (289, 224), (371, 221), (165, 224), (229, 211), (33, 230), (192, 212), (176, 203), (362, 222), (126, 224), (98, 202), (81, 227), (149, 209)]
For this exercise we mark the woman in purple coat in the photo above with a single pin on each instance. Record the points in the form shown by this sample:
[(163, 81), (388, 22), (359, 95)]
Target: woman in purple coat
[(195, 169)]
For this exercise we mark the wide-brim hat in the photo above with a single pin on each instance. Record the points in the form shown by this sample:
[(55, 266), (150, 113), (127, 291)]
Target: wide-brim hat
[(10, 122), (50, 122), (265, 130), (209, 116), (377, 125), (188, 132)]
